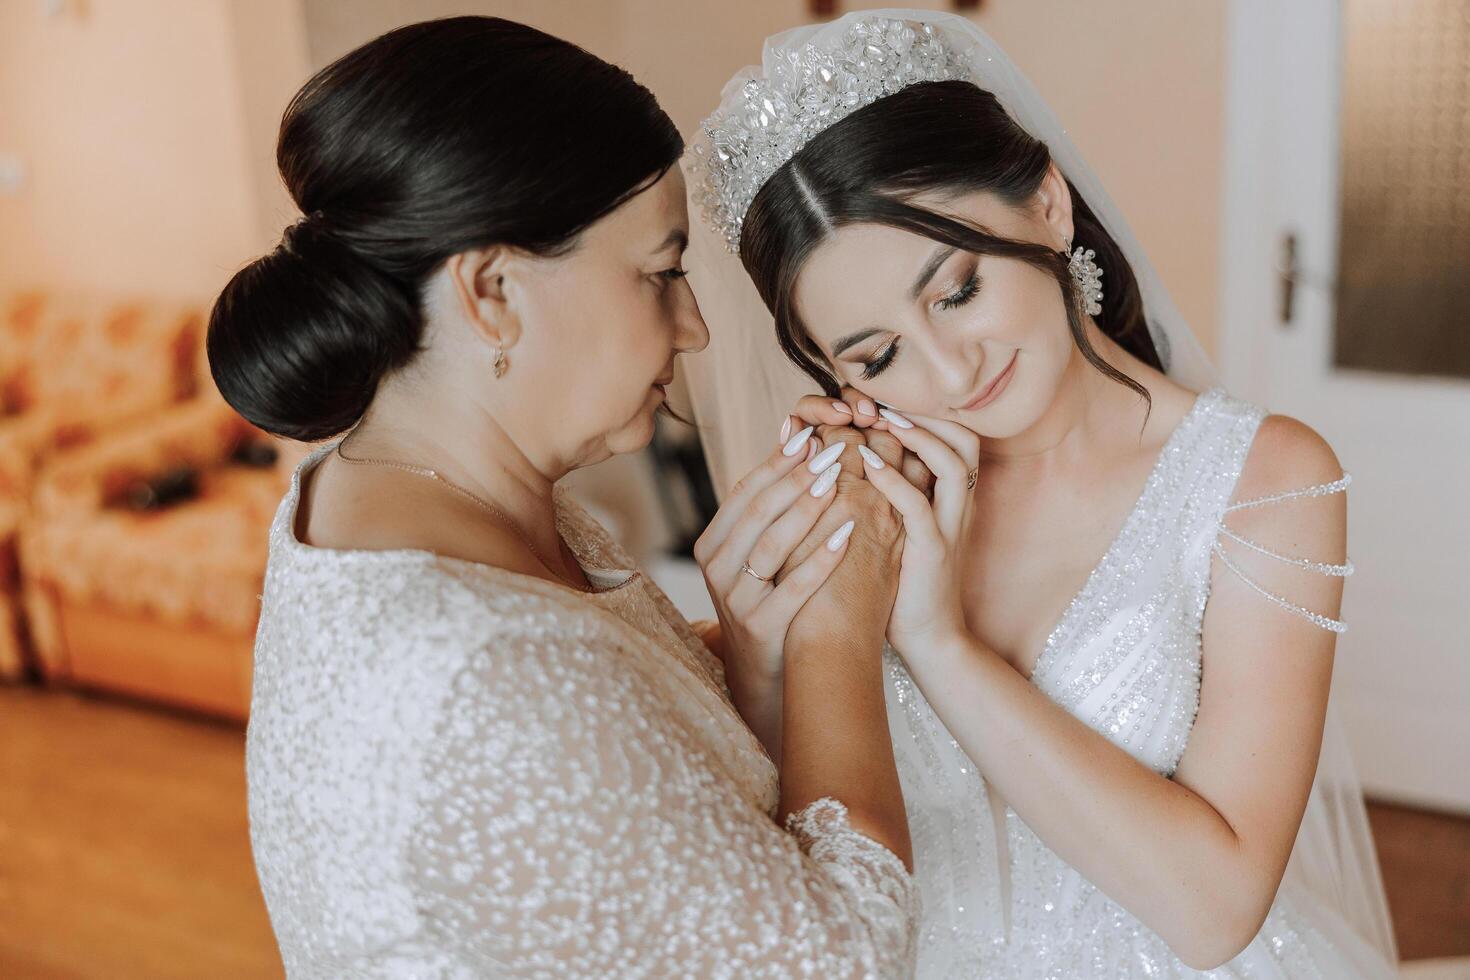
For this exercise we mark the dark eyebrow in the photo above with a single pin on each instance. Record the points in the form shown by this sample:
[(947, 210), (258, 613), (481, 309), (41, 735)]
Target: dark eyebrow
[(925, 274), (853, 338), (676, 237), (930, 267)]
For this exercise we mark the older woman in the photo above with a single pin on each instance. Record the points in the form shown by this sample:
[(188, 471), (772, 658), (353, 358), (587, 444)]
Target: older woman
[(481, 742)]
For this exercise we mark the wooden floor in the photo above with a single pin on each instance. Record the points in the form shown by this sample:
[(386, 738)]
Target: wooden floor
[(124, 847), (1426, 871), (124, 850)]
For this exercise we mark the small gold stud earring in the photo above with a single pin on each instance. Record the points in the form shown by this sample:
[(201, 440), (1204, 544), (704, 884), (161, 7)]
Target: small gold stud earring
[(500, 362)]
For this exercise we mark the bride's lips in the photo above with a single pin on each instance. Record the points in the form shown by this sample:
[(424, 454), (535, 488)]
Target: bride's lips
[(992, 391)]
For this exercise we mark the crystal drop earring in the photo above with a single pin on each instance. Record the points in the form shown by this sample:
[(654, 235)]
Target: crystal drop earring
[(1087, 275)]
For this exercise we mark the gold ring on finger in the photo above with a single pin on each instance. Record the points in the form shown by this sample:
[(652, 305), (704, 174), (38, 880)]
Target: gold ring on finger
[(745, 567)]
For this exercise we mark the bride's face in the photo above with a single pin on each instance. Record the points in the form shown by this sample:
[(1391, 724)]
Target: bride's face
[(979, 339)]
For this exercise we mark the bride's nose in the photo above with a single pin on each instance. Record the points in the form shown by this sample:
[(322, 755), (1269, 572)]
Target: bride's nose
[(953, 367)]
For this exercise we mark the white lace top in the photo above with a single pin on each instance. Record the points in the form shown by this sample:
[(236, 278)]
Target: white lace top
[(1126, 659), (458, 771)]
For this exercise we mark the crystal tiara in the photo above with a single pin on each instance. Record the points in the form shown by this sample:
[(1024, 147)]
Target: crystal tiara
[(766, 121)]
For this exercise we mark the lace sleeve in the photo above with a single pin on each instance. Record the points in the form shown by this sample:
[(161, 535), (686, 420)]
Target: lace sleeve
[(1225, 533), (574, 825)]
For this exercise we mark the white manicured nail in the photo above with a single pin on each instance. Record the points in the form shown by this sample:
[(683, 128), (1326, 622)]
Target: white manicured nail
[(842, 408), (826, 480), (840, 535), (871, 458), (785, 430), (794, 444), (866, 407), (895, 418), (826, 457)]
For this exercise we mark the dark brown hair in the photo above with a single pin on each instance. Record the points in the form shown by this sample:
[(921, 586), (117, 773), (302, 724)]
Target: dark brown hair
[(950, 137), (433, 139)]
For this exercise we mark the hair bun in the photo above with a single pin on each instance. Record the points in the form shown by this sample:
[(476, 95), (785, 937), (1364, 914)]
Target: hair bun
[(434, 139), (299, 339)]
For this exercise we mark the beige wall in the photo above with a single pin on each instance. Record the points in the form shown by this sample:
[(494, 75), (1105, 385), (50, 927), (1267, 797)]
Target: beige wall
[(147, 127), (141, 140), (1139, 84), (271, 64)]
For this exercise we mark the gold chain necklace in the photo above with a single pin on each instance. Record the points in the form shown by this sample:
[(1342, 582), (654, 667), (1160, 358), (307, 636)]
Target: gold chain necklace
[(499, 514)]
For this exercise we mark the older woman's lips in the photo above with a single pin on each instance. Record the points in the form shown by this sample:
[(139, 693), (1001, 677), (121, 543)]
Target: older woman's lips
[(992, 391)]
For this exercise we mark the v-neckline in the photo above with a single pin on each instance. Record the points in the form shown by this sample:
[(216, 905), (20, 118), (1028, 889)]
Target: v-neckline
[(1089, 586)]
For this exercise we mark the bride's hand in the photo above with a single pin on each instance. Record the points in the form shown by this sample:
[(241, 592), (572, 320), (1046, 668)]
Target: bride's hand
[(928, 611), (765, 518)]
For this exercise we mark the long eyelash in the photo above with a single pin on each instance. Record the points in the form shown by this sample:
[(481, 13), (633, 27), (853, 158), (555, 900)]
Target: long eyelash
[(963, 295), (960, 297), (880, 364), (675, 273)]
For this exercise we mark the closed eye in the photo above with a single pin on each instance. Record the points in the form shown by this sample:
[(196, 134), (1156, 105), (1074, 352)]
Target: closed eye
[(962, 295), (674, 273), (879, 364)]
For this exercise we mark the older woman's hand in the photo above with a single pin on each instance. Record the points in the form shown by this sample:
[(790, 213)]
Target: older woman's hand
[(860, 592), (752, 537)]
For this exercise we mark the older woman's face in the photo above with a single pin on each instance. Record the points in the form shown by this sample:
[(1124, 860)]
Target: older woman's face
[(602, 325)]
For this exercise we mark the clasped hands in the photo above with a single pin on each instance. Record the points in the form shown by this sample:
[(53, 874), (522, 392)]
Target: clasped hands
[(906, 483)]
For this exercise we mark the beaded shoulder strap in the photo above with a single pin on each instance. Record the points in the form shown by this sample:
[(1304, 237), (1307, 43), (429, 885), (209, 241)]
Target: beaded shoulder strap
[(1325, 568)]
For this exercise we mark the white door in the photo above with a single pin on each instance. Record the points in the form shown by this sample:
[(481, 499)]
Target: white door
[(1403, 667)]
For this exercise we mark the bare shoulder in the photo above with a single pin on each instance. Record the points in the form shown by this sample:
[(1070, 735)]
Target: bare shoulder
[(1168, 403), (385, 511), (1287, 454)]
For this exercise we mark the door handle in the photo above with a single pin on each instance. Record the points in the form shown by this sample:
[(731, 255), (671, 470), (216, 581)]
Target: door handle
[(1288, 274)]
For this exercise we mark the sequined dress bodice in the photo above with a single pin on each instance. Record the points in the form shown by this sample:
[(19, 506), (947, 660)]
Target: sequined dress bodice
[(459, 771), (1125, 658)]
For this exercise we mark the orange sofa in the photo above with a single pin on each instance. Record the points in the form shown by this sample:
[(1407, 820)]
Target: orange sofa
[(72, 369), (159, 602)]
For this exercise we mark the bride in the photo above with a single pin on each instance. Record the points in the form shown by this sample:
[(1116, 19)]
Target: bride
[(1112, 646)]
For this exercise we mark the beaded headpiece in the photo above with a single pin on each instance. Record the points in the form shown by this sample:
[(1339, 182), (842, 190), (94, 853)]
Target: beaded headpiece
[(765, 120)]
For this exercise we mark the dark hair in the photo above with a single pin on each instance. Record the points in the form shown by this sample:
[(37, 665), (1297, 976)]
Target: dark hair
[(433, 139), (935, 136)]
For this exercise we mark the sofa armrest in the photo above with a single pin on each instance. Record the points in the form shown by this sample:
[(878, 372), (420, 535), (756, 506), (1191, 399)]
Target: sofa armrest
[(21, 436), (29, 439), (200, 432)]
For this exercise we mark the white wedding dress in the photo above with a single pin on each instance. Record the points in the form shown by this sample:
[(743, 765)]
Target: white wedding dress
[(459, 771), (1125, 659)]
